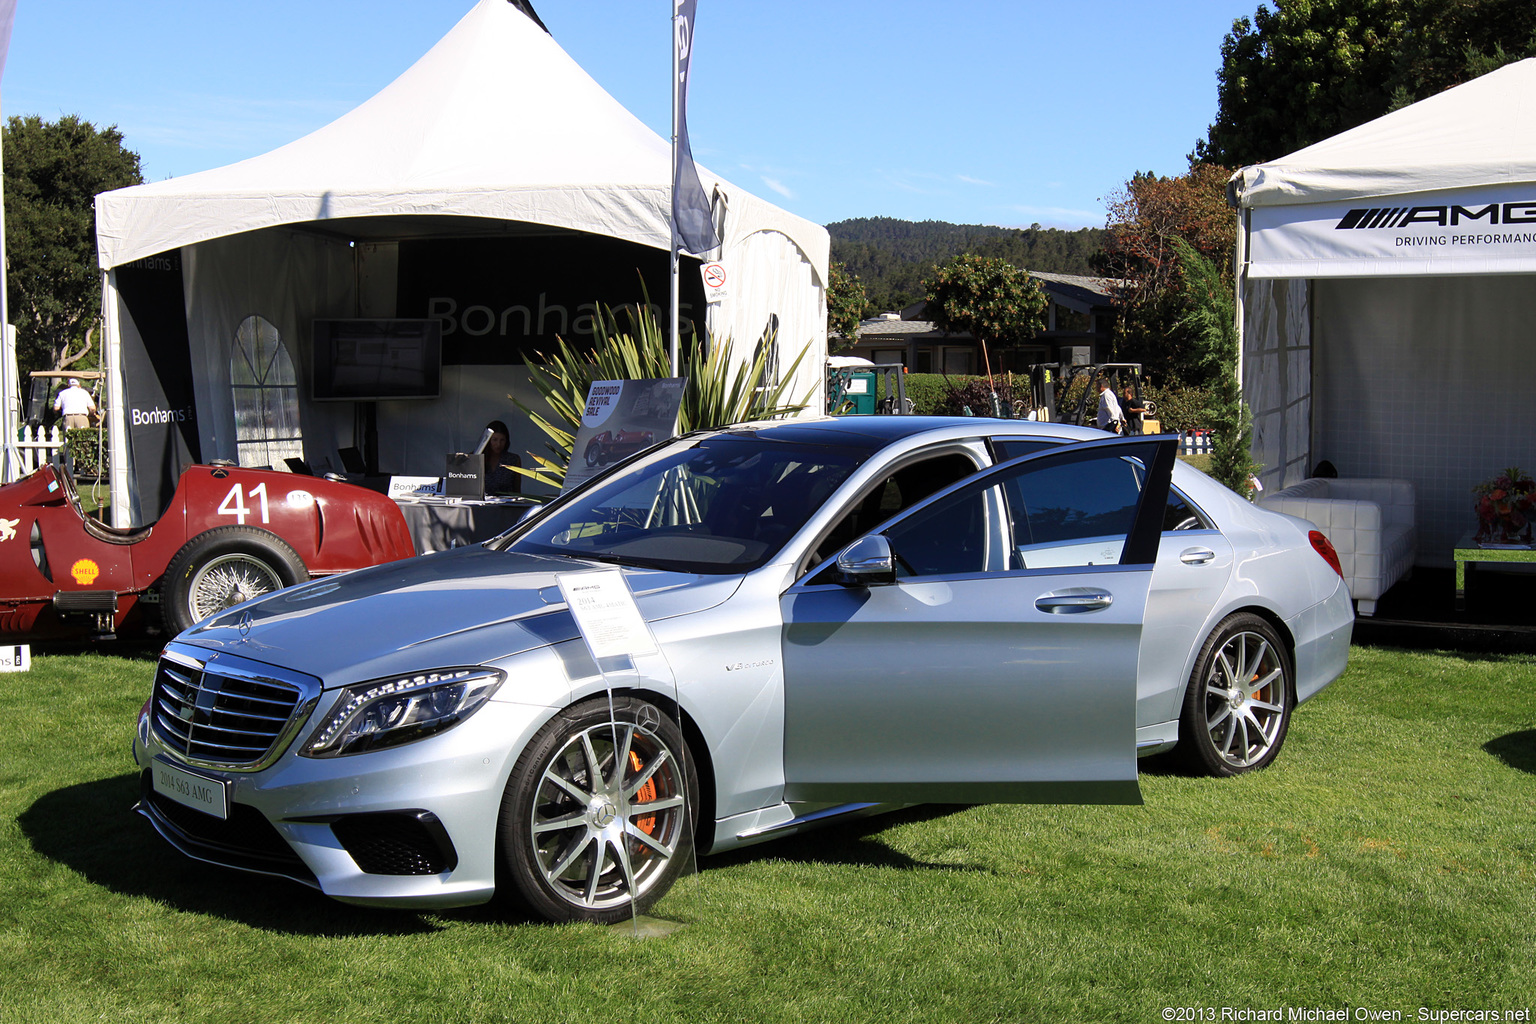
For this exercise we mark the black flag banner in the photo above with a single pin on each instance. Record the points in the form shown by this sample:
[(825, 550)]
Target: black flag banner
[(692, 221)]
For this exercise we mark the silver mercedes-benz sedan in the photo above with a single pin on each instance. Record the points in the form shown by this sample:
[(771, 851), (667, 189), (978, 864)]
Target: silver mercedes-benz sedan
[(799, 620)]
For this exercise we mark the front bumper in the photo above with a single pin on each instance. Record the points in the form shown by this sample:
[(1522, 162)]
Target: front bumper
[(413, 825)]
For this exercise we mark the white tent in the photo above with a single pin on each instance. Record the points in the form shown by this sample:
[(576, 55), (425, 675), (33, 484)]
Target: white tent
[(1387, 282), (494, 136)]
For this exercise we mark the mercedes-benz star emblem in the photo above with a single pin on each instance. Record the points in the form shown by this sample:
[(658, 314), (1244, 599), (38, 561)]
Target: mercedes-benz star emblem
[(604, 814), (245, 624)]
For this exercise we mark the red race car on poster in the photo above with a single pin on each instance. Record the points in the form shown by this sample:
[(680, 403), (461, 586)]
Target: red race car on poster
[(228, 535), (608, 446)]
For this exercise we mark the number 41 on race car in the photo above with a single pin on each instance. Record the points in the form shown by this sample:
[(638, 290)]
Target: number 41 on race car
[(234, 503)]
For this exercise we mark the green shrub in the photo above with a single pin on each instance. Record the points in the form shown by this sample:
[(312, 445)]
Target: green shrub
[(937, 394), (1179, 408), (927, 392), (87, 451)]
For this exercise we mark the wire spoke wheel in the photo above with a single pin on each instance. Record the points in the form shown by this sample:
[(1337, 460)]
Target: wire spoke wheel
[(599, 824), (228, 580), (222, 567)]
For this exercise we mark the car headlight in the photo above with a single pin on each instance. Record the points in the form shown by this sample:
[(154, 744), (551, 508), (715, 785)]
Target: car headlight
[(388, 712)]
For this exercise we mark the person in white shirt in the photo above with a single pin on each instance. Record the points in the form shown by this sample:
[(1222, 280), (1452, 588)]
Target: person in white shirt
[(1110, 416), (76, 404)]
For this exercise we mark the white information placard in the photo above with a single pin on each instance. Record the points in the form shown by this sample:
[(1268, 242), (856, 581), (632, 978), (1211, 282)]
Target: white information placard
[(414, 486), (16, 658), (606, 613)]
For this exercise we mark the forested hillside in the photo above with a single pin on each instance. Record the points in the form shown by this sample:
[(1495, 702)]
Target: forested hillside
[(892, 257)]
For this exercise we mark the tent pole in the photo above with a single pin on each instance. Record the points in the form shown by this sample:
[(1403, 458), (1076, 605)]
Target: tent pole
[(10, 386), (115, 419), (1239, 280), (672, 317)]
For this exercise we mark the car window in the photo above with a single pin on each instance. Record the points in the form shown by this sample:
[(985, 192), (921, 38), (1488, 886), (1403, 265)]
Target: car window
[(949, 537), (1058, 514), (901, 489), (722, 504), (1005, 448), (1077, 513), (1181, 514)]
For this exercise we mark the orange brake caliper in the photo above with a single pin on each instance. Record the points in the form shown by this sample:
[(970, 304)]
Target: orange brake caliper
[(644, 795)]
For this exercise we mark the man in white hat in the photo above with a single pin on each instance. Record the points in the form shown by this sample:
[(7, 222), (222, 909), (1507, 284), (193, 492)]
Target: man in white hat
[(76, 404)]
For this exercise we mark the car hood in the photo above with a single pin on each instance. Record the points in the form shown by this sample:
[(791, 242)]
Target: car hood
[(470, 606)]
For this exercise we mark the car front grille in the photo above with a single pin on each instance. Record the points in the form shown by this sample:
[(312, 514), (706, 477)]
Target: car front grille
[(224, 711)]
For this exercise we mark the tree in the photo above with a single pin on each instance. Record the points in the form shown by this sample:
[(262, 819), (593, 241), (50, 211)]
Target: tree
[(991, 299), (1146, 221), (892, 258), (1210, 316), (1309, 69), (845, 304), (53, 171)]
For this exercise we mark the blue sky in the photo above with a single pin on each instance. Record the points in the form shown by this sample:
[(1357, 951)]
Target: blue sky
[(973, 111)]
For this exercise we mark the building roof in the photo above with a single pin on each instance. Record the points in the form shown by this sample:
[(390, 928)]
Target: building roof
[(1085, 294), (1077, 292)]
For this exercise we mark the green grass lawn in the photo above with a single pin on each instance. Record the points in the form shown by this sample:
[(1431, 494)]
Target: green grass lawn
[(1386, 862)]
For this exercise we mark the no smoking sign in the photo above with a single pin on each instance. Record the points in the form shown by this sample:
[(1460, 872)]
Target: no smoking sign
[(714, 281)]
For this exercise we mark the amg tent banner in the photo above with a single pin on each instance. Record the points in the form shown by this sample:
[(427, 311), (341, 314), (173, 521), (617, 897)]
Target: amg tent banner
[(1487, 230)]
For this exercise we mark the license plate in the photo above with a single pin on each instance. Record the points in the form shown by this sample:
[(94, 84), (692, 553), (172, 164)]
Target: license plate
[(211, 796)]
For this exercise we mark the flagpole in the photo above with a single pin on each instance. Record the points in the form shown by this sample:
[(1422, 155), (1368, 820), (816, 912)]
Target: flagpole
[(10, 386), (674, 298)]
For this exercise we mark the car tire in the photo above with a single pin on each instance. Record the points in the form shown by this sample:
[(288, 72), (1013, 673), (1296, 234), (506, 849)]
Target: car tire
[(1237, 707), (222, 567), (593, 453), (599, 852)]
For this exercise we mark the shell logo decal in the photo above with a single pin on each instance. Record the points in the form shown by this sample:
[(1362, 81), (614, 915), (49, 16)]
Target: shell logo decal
[(85, 572)]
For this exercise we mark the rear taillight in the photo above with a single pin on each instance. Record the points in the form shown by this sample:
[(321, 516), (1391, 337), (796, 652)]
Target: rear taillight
[(1321, 546)]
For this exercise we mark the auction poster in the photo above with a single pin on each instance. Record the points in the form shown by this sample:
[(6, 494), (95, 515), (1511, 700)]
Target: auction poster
[(623, 417)]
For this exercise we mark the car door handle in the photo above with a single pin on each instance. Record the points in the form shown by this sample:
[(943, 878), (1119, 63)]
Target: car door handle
[(1074, 600), (1196, 556)]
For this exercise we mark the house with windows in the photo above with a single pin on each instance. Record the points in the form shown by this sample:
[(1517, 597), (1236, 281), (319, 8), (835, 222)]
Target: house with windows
[(1080, 317)]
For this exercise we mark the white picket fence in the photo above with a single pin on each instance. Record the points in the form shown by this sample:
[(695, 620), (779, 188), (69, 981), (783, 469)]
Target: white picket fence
[(38, 445), (1195, 442)]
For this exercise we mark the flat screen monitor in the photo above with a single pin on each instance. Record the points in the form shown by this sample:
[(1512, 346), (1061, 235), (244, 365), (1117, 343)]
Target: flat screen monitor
[(376, 360)]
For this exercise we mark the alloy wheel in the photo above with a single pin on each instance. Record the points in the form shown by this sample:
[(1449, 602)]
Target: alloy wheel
[(608, 816), (1245, 697)]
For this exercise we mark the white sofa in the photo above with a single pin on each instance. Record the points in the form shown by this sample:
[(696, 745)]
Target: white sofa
[(1370, 523)]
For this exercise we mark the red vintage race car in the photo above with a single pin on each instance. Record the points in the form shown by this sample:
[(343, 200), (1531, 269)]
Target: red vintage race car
[(228, 535), (608, 446)]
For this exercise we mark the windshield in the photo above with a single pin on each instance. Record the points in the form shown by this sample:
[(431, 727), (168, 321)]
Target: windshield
[(720, 504)]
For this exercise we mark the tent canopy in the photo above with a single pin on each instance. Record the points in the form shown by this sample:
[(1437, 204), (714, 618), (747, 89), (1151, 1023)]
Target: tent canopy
[(495, 121), (492, 186), (1387, 288), (1440, 187)]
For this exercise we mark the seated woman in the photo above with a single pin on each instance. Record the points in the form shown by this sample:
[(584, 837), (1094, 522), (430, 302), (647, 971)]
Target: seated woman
[(499, 475)]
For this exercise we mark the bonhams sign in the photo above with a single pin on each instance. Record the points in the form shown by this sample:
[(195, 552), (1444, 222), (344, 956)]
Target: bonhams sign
[(1472, 231), (501, 298)]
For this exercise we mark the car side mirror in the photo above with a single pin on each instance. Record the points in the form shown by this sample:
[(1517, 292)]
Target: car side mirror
[(867, 562)]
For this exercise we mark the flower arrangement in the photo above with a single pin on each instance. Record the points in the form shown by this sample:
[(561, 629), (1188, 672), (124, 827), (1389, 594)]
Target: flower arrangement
[(1506, 504)]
